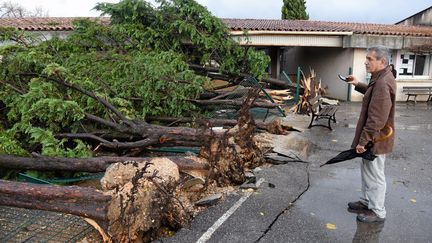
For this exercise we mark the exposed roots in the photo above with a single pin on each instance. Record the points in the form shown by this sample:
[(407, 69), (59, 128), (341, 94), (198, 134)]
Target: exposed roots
[(143, 199), (236, 150), (147, 200)]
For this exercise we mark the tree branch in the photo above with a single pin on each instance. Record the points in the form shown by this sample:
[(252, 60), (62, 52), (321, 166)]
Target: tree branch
[(113, 145), (13, 87), (88, 93), (105, 122)]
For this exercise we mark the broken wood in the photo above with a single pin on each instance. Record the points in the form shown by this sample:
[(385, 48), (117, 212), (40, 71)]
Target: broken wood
[(95, 164), (277, 92), (102, 232), (81, 201)]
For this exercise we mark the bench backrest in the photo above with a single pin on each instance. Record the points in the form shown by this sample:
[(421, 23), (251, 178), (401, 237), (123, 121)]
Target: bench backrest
[(417, 89), (315, 103)]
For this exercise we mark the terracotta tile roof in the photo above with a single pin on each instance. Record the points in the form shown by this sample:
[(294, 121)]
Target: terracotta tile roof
[(43, 24), (319, 26), (65, 23)]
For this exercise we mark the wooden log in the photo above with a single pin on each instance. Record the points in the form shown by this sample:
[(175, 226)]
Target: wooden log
[(81, 201), (210, 122), (95, 164), (234, 103), (267, 126), (154, 135)]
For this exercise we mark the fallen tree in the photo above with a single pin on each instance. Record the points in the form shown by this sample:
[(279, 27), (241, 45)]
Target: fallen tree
[(65, 101), (138, 194), (58, 94)]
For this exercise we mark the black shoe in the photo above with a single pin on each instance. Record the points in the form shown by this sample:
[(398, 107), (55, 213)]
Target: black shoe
[(357, 207), (370, 217)]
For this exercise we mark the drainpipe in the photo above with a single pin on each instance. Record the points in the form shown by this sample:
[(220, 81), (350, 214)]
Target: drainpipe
[(349, 86), (297, 96)]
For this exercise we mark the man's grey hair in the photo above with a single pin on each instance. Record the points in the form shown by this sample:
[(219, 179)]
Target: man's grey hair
[(380, 53)]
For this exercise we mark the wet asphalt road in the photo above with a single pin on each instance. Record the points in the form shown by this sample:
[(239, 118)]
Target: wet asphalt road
[(305, 198)]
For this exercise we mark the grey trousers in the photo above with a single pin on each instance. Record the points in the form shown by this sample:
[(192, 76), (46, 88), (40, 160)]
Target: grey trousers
[(374, 184)]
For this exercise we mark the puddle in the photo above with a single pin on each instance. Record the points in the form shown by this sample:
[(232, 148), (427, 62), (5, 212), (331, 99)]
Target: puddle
[(327, 200), (333, 187)]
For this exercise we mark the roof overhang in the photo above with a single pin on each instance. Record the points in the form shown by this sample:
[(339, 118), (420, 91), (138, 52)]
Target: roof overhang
[(290, 38), (392, 42)]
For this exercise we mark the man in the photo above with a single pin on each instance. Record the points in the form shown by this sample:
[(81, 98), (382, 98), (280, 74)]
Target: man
[(378, 110)]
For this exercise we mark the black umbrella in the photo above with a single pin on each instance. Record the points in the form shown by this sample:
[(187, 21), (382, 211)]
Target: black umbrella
[(352, 153)]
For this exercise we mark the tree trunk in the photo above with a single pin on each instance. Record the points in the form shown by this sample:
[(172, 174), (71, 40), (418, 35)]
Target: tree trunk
[(235, 103), (96, 164), (269, 126), (145, 135), (81, 201)]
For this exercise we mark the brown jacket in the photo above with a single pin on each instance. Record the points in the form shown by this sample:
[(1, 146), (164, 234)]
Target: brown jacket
[(378, 109)]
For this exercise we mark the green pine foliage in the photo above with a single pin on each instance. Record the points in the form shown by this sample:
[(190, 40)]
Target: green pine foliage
[(138, 63), (294, 9)]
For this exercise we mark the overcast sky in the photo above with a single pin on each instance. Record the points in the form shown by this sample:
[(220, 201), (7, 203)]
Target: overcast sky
[(363, 11)]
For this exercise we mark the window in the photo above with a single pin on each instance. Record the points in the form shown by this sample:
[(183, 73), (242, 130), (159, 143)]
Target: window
[(414, 65)]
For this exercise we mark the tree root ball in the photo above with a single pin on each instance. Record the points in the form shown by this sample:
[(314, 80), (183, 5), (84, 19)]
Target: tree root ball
[(141, 194)]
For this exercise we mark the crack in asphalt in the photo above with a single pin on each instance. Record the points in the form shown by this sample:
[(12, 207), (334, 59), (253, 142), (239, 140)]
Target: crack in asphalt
[(290, 205)]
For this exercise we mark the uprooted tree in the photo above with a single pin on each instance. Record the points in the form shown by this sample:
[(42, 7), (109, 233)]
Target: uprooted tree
[(90, 93), (61, 96)]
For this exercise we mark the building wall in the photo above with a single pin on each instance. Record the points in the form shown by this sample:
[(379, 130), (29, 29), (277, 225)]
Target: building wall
[(43, 35), (327, 64), (291, 59), (422, 18), (400, 96), (406, 80), (359, 71)]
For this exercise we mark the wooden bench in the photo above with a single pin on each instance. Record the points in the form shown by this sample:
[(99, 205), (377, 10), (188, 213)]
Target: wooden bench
[(320, 111), (417, 90)]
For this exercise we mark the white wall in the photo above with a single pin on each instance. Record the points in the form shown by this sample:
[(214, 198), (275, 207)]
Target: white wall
[(359, 71), (328, 63), (421, 18)]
